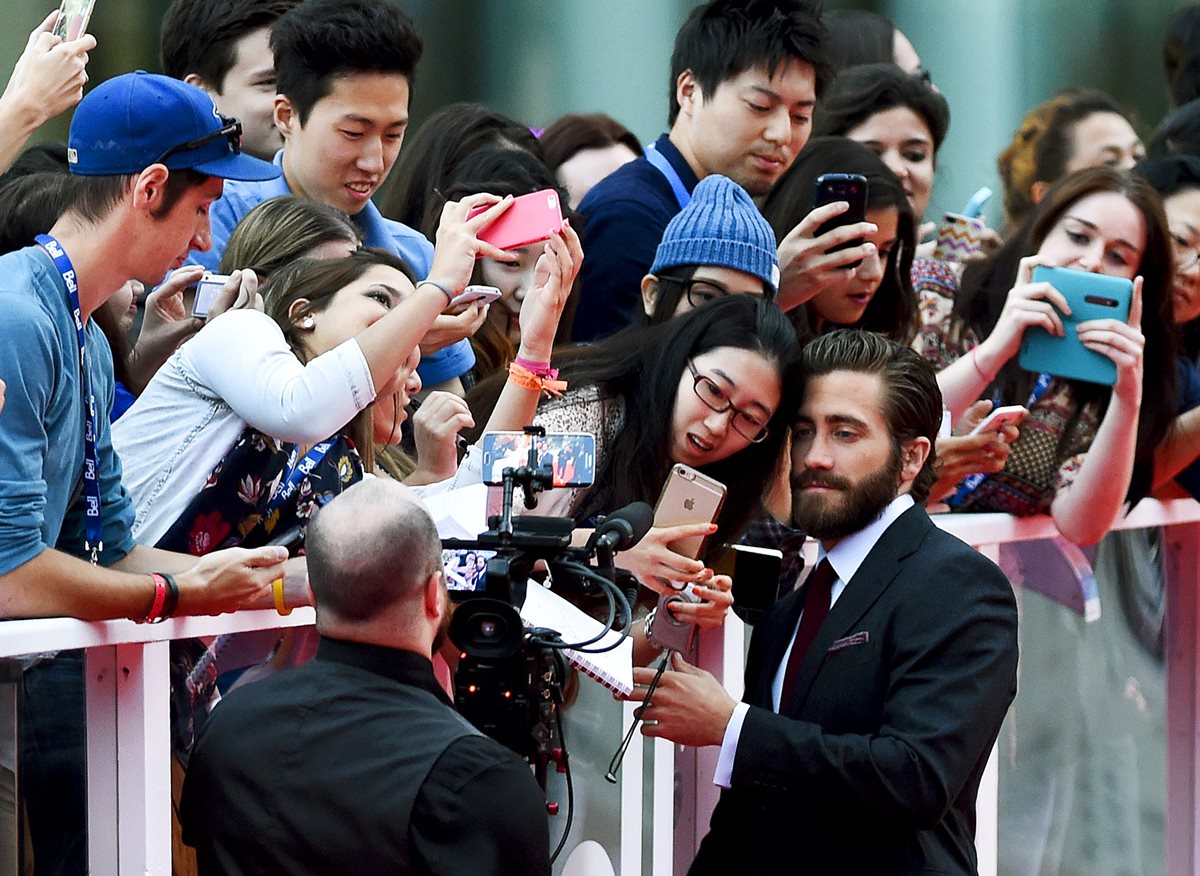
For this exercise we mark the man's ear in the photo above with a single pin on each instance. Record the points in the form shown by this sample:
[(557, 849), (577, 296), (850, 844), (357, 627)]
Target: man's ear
[(286, 118), (434, 601), (649, 294), (687, 91), (150, 188), (200, 82), (1038, 190), (913, 456)]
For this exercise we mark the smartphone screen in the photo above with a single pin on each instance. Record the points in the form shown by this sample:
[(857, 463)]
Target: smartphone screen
[(849, 187), (207, 290), (569, 456), (73, 17), (465, 571)]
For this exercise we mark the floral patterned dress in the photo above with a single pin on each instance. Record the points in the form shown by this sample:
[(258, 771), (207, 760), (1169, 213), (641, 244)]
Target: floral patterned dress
[(234, 509)]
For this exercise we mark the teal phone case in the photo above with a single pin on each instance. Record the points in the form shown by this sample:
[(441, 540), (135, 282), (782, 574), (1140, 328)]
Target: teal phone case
[(1091, 296)]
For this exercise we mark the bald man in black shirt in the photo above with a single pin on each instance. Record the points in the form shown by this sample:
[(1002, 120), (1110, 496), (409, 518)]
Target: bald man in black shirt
[(356, 761)]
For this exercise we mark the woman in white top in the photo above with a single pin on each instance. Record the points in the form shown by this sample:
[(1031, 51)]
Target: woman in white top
[(339, 333)]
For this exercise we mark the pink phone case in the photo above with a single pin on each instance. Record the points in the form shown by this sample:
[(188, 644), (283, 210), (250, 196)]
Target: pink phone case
[(530, 219)]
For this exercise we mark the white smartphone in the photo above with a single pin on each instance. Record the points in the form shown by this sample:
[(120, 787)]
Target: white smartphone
[(688, 497), (999, 418), (473, 294), (207, 289), (73, 18)]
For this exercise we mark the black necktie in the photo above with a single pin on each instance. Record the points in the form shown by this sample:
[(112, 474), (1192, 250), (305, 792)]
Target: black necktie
[(817, 592)]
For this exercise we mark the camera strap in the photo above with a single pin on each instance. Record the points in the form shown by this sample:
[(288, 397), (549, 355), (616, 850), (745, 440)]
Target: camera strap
[(682, 195), (94, 530)]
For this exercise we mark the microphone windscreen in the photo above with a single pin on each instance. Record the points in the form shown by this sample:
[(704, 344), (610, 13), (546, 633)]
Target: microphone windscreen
[(640, 517)]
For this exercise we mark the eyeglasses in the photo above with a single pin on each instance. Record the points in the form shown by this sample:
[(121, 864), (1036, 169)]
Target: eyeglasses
[(231, 130), (700, 291), (1187, 256), (746, 424)]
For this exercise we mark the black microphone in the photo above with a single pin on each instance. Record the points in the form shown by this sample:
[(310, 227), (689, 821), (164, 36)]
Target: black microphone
[(622, 529)]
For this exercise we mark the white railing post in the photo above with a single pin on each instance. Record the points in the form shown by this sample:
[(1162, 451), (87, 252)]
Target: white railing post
[(1183, 699), (100, 686), (129, 766)]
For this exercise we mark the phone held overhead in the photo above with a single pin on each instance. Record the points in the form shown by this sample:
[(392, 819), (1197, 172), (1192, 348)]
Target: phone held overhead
[(529, 219)]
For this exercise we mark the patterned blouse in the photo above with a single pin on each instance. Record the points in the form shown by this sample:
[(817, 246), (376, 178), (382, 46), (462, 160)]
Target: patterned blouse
[(1041, 462)]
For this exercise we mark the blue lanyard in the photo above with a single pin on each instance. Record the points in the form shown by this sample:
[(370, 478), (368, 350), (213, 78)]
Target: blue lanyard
[(297, 473), (972, 482), (94, 531), (682, 195)]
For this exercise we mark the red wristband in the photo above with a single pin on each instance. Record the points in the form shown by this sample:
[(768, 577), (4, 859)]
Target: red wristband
[(160, 599)]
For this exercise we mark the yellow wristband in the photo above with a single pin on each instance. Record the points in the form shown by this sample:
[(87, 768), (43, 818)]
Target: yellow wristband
[(277, 590)]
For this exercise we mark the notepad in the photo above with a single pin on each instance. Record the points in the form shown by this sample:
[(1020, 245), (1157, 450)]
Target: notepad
[(613, 669)]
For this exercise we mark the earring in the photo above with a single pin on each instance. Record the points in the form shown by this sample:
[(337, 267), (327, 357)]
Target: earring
[(307, 323)]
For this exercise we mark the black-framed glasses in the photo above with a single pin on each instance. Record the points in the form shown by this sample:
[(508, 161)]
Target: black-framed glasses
[(1187, 255), (746, 424), (231, 130), (699, 291)]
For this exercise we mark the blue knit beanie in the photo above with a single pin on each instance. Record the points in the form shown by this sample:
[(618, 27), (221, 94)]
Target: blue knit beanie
[(721, 227)]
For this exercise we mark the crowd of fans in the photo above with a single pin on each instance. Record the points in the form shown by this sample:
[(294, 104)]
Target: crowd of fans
[(667, 315)]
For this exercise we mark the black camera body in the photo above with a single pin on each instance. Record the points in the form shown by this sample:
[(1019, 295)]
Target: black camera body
[(510, 698)]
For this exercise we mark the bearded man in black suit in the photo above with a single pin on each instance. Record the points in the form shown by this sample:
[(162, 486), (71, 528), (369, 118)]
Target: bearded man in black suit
[(875, 692)]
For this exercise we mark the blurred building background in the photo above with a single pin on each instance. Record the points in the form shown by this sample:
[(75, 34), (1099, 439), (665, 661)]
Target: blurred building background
[(536, 59)]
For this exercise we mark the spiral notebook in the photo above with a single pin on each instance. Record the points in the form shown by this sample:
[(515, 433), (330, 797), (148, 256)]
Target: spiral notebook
[(613, 669)]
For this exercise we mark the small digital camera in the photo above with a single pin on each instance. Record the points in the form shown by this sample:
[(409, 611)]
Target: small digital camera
[(207, 289)]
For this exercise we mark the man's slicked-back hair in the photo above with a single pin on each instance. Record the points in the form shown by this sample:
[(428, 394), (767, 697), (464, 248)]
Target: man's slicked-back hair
[(369, 549), (912, 402), (199, 36), (321, 40), (724, 38)]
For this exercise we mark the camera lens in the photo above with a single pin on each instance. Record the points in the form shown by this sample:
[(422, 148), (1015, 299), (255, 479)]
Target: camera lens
[(487, 629)]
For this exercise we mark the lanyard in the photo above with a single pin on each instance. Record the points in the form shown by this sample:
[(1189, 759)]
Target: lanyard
[(296, 473), (971, 482), (94, 531), (682, 195)]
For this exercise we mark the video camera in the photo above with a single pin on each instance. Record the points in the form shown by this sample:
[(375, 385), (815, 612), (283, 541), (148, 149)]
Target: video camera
[(508, 680)]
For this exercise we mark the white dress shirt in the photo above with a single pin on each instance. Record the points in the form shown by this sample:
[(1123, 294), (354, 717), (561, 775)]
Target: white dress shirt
[(846, 557)]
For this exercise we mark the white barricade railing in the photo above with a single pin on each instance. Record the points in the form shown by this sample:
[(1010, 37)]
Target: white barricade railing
[(128, 715)]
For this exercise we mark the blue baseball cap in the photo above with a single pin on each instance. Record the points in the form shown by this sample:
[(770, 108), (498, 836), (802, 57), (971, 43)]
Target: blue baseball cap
[(134, 120)]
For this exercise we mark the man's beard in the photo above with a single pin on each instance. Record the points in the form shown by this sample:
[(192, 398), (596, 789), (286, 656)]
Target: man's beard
[(837, 515)]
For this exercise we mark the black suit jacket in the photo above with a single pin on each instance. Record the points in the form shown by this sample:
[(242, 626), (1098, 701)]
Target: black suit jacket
[(874, 766)]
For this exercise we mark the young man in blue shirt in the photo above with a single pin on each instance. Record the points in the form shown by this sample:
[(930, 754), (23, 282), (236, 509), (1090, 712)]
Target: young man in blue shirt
[(744, 80), (745, 77), (148, 155), (344, 70)]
